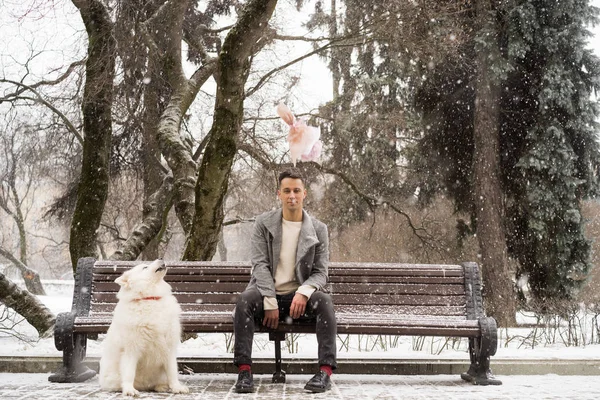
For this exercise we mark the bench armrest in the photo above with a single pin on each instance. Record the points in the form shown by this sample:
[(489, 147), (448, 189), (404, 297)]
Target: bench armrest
[(82, 290)]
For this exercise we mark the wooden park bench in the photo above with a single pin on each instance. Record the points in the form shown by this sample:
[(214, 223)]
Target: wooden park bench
[(369, 298)]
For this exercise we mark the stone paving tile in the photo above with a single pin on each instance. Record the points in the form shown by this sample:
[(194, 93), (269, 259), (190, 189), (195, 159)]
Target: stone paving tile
[(347, 387)]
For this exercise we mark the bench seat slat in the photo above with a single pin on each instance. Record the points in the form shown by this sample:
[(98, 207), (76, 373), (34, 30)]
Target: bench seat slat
[(347, 323), (342, 320), (228, 328), (101, 308)]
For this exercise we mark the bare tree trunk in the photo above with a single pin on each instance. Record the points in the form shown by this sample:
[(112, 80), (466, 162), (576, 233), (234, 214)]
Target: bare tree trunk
[(97, 128), (334, 61), (213, 176), (498, 286), (166, 49), (340, 66), (152, 172), (153, 50), (27, 305), (154, 93)]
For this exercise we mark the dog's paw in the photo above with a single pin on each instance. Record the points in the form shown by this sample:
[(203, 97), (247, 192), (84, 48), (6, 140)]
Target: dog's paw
[(130, 392), (180, 388), (162, 388)]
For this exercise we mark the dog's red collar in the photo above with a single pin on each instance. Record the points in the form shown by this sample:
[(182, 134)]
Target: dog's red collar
[(148, 298)]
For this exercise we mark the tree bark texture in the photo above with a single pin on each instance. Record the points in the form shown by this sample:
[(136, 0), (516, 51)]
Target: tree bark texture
[(498, 285), (97, 127), (165, 50), (152, 171), (232, 73), (151, 95), (28, 306)]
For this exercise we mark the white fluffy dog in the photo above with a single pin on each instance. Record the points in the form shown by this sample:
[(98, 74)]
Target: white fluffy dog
[(140, 348)]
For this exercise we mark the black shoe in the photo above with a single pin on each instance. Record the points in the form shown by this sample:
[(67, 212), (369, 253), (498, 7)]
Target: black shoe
[(245, 383), (319, 383)]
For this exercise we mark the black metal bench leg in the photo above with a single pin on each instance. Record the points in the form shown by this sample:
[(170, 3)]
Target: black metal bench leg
[(73, 347), (73, 369), (279, 375), (480, 350)]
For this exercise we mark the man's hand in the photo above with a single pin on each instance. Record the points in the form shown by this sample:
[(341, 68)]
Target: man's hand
[(271, 319), (298, 306)]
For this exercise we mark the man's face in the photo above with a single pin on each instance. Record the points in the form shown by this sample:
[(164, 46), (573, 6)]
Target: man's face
[(291, 193)]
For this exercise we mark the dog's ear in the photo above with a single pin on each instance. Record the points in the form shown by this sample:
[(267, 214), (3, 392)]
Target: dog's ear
[(123, 280)]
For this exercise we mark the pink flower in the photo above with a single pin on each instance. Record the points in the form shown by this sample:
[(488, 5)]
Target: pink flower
[(303, 139)]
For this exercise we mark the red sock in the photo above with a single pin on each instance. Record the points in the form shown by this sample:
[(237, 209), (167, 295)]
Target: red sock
[(244, 367), (327, 369)]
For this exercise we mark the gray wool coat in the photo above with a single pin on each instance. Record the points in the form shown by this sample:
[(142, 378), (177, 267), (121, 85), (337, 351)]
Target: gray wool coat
[(312, 256)]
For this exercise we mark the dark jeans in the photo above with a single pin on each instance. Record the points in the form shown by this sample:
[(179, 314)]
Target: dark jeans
[(249, 311)]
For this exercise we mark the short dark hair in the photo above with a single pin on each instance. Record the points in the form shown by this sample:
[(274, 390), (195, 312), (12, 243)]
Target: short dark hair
[(293, 173)]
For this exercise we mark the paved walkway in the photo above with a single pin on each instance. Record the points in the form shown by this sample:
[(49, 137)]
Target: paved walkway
[(358, 387)]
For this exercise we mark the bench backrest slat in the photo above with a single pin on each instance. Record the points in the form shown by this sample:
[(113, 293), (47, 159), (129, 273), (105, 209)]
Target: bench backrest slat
[(333, 278), (338, 299), (340, 288), (449, 311), (182, 287), (207, 287)]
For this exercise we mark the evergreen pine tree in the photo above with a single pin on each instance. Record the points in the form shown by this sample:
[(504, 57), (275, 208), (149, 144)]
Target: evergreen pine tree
[(548, 133), (558, 152)]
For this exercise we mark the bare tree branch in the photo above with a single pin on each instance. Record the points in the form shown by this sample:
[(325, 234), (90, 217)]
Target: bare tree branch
[(30, 277), (39, 99), (264, 78), (277, 36), (177, 154), (52, 82), (27, 305), (238, 220)]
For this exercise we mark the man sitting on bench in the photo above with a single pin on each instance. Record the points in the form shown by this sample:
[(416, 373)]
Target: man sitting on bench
[(290, 255)]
